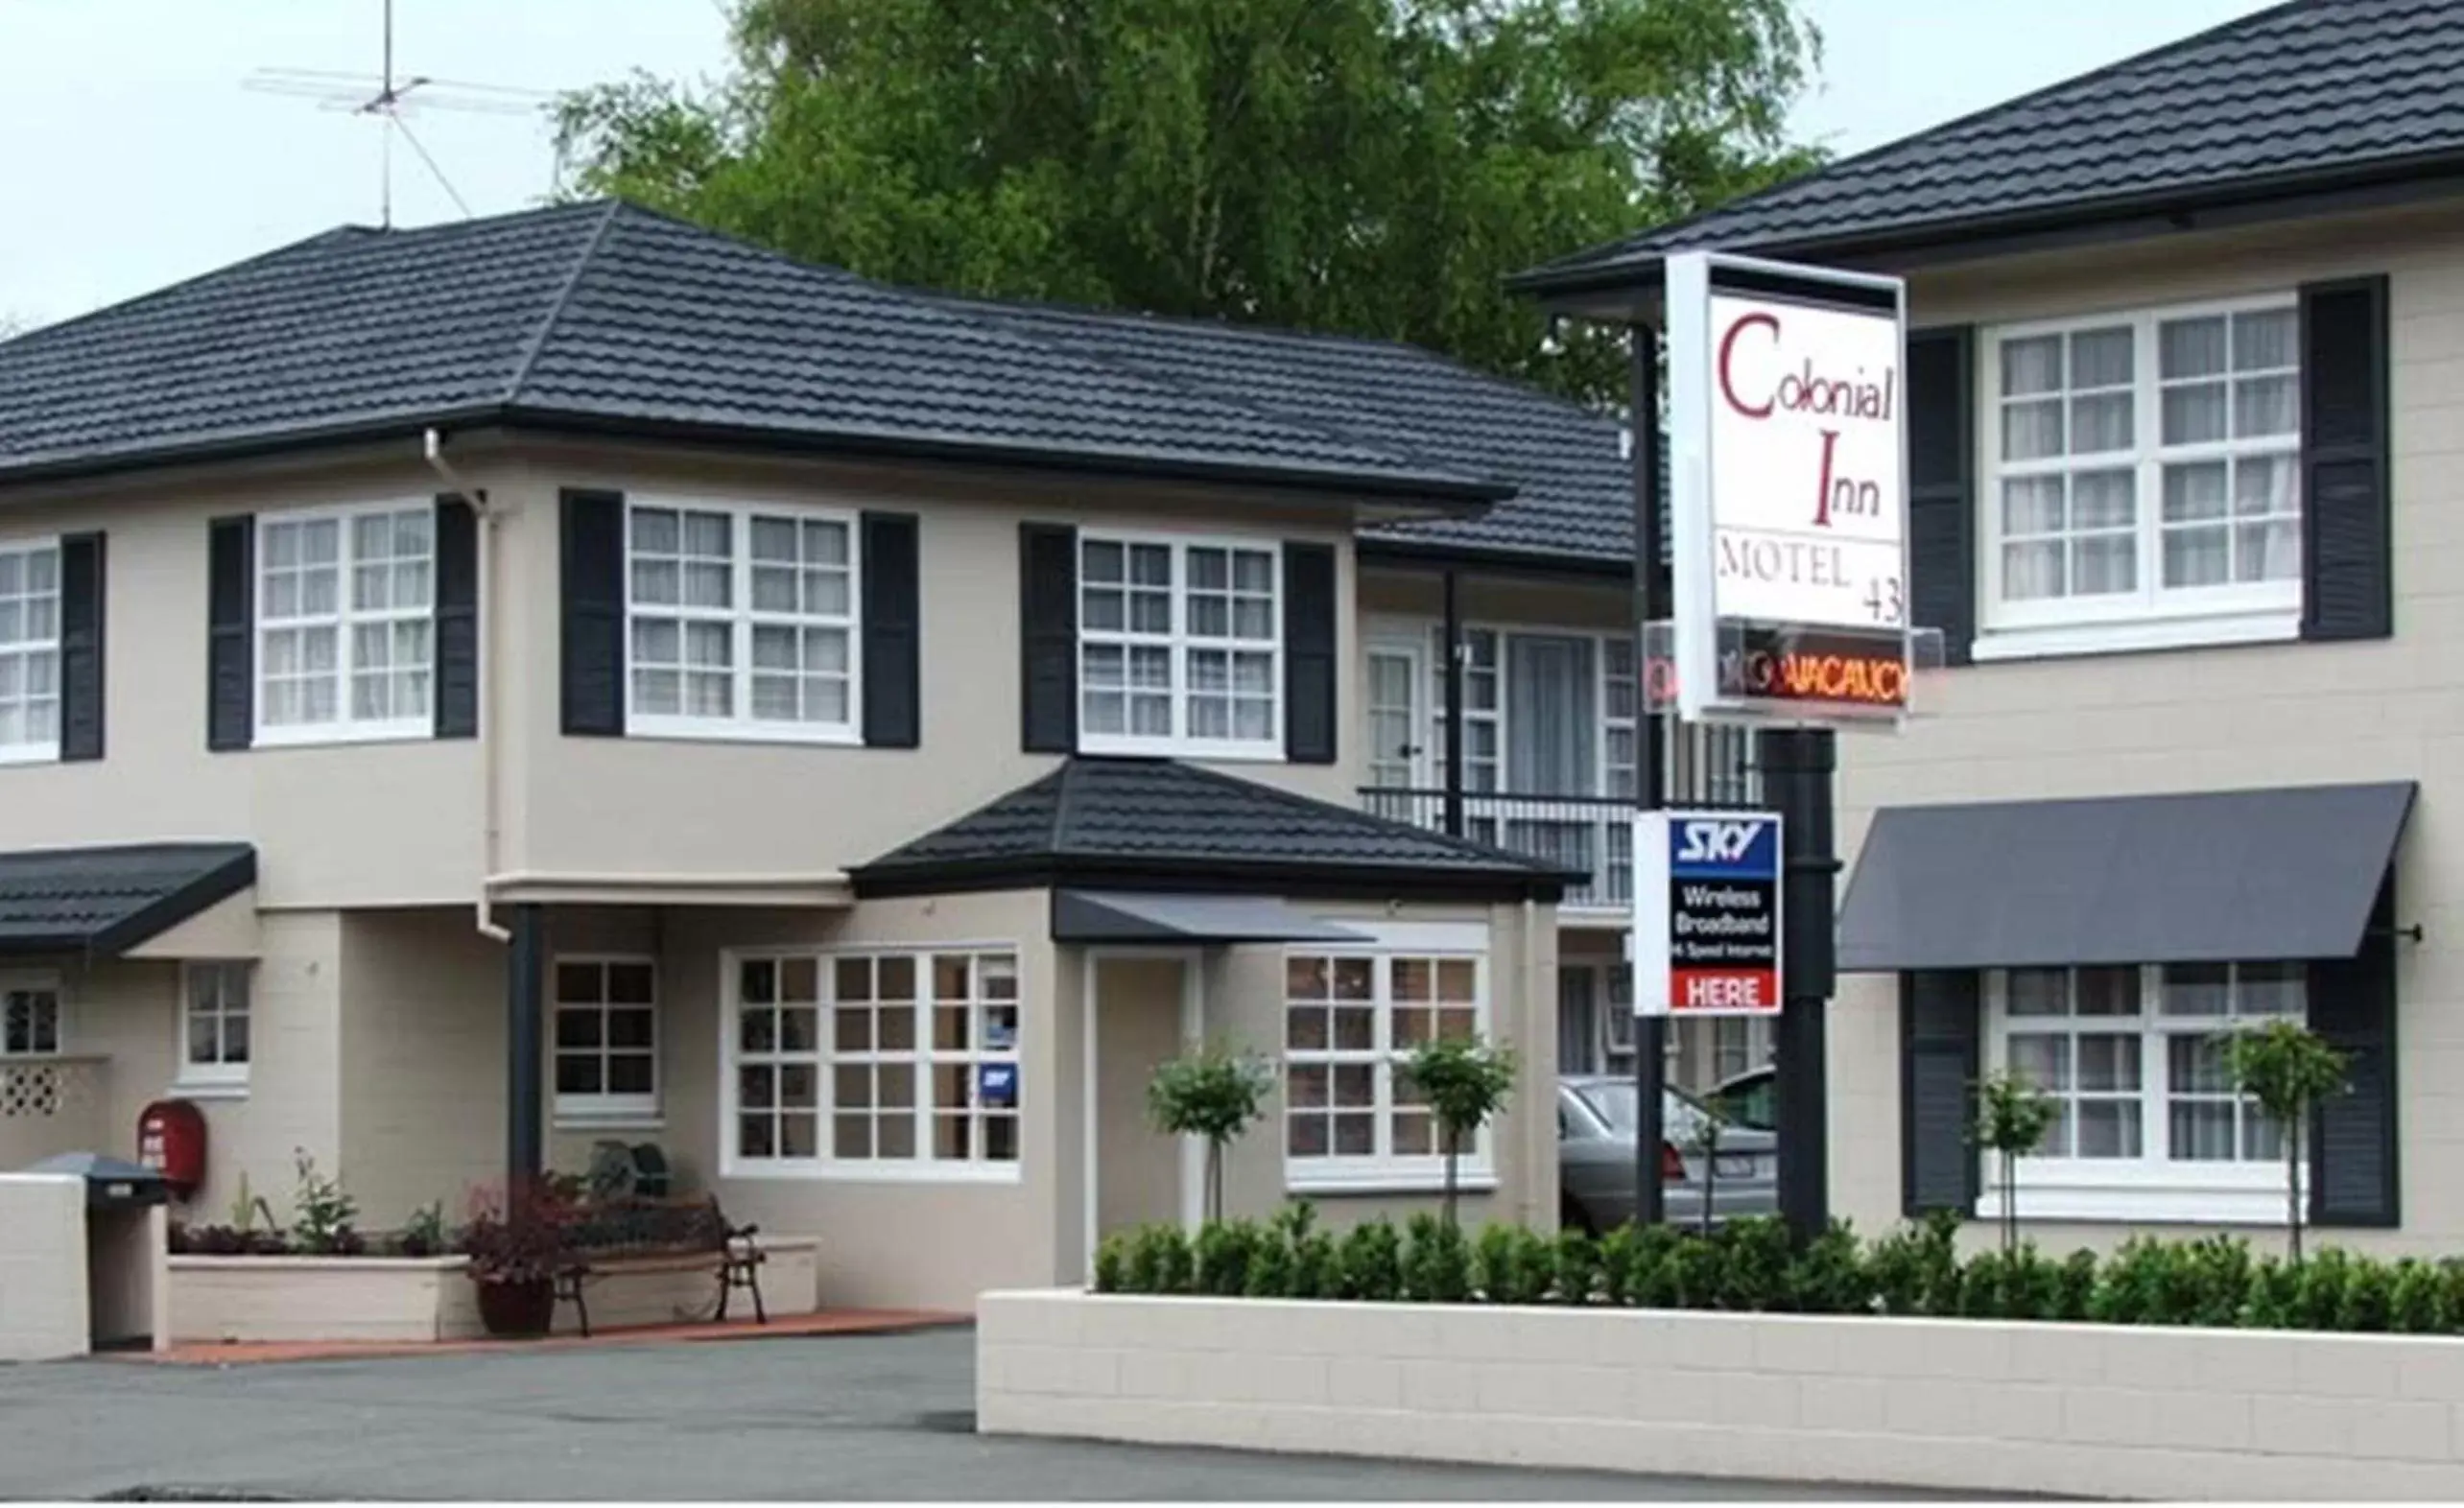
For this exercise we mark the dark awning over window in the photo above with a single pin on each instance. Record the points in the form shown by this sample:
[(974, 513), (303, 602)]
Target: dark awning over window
[(1088, 916), (2176, 879)]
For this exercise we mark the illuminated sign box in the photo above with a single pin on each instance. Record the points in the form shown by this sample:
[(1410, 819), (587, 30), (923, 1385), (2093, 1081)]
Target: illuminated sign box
[(1787, 440)]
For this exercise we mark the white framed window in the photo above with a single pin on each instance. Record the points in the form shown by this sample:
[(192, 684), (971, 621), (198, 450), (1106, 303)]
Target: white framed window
[(741, 621), (2142, 468), (1351, 1019), (29, 1017), (30, 651), (214, 1025), (606, 1030), (346, 605), (1180, 647), (894, 1064), (2147, 1125)]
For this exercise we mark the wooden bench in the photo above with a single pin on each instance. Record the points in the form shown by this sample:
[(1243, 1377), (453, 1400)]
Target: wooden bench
[(650, 1236)]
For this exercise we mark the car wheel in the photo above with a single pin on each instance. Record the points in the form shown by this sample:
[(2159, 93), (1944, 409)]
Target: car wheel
[(1571, 1216)]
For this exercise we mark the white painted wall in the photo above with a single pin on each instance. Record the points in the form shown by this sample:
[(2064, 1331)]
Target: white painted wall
[(42, 1267)]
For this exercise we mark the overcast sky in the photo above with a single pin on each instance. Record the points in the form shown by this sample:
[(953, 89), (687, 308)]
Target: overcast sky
[(134, 157)]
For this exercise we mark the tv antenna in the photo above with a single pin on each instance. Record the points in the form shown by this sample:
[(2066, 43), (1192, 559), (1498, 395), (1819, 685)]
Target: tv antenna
[(389, 100)]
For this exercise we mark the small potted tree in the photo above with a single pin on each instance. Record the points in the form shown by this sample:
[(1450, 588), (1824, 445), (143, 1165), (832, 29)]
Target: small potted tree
[(2287, 1069), (1466, 1083), (1215, 1092), (515, 1242), (2012, 1118)]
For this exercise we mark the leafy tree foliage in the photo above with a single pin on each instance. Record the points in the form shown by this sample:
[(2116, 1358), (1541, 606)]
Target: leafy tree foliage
[(1369, 166)]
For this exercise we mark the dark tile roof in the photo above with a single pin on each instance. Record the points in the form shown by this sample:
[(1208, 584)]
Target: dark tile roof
[(2314, 91), (611, 314), (1574, 485), (1136, 823), (102, 901)]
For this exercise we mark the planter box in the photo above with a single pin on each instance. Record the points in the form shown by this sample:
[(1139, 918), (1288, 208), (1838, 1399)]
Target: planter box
[(1965, 1404), (397, 1299)]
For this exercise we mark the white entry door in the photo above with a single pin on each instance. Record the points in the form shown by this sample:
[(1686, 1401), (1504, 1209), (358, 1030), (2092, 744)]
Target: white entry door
[(1398, 748)]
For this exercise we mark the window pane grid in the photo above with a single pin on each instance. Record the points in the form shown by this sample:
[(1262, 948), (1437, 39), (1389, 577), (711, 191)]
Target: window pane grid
[(2188, 426), (29, 1019), (345, 606), (741, 616), (1351, 1023), (607, 1035), (30, 646), (1179, 643), (215, 1039)]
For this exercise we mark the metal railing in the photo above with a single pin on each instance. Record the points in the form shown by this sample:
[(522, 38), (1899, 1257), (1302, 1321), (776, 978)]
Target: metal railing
[(1591, 834), (50, 1104)]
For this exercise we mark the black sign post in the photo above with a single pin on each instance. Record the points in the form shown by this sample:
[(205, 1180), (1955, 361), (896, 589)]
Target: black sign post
[(1797, 769), (1651, 604)]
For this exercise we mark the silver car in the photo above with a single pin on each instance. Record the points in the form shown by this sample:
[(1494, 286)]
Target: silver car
[(1595, 1160)]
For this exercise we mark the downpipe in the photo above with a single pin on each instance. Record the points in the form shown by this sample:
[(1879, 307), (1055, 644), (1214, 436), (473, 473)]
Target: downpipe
[(484, 908)]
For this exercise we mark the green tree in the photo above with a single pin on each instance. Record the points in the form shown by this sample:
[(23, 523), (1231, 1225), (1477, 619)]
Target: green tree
[(1366, 166), (1215, 1092), (1466, 1082), (2012, 1117), (2287, 1069)]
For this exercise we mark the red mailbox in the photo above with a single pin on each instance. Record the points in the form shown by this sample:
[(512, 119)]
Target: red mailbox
[(170, 1139)]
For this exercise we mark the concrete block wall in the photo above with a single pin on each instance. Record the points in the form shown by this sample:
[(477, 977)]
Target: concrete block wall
[(42, 1267), (1967, 1405)]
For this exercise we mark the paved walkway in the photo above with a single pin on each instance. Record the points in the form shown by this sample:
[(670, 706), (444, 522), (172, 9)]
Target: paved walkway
[(828, 1417), (826, 1322)]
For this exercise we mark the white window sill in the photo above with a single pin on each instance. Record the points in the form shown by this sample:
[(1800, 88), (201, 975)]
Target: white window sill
[(1482, 1179), (2145, 1204), (209, 1089), (563, 1119), (2055, 640), (753, 1171), (289, 738), (702, 730), (1268, 753), (30, 754)]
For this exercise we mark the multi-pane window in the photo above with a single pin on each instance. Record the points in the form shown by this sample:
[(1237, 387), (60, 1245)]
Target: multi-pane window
[(1351, 1022), (2134, 1059), (875, 1060), (2146, 463), (345, 622), (29, 649), (1179, 646), (29, 1019), (214, 1024), (741, 621), (607, 1037)]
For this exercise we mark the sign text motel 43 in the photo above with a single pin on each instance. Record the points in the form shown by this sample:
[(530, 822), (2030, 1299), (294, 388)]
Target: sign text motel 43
[(1707, 913)]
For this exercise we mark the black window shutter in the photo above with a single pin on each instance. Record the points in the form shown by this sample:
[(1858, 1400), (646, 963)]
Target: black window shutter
[(457, 683), (230, 633), (2347, 539), (2353, 1135), (1941, 486), (592, 655), (1309, 653), (1047, 637), (81, 647), (1941, 1025), (893, 610)]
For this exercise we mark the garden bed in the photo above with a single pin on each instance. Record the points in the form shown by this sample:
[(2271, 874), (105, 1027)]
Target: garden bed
[(431, 1298)]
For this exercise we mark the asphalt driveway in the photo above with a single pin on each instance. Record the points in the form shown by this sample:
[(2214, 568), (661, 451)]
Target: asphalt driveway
[(832, 1417)]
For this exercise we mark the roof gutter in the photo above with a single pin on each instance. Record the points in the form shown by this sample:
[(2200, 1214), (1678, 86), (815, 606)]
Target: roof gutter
[(1643, 269)]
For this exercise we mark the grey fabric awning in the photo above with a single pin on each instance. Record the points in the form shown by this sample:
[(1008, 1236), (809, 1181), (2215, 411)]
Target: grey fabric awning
[(1090, 916), (2206, 877)]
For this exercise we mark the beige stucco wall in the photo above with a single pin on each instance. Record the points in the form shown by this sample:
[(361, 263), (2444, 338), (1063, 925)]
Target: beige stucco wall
[(2290, 713), (42, 1267), (363, 824), (703, 807)]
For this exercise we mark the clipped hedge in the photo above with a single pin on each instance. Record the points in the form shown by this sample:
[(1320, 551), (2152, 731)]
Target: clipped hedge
[(1751, 1265)]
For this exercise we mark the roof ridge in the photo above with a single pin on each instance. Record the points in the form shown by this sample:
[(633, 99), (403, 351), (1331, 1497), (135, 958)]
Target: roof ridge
[(1125, 313), (538, 341), (1623, 246), (1062, 780)]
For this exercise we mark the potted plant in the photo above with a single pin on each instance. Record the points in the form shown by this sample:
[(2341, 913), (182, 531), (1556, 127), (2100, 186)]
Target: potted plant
[(515, 1244)]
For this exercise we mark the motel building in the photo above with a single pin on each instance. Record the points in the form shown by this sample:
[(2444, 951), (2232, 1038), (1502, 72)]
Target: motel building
[(2183, 382)]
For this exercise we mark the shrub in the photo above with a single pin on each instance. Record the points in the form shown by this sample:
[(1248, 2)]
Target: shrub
[(1514, 1265), (2368, 1301), (2318, 1290), (2018, 1284), (1159, 1259), (2417, 1302), (424, 1234), (1316, 1265), (1577, 1263), (1112, 1264), (1754, 1258), (1224, 1253), (1369, 1264), (1830, 1277), (1915, 1269), (1436, 1261)]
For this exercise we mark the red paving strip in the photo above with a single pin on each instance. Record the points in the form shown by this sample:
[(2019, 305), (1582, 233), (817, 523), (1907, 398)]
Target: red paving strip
[(827, 1322)]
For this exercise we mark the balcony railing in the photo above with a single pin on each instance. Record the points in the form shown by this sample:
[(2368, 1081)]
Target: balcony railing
[(52, 1105), (1591, 834)]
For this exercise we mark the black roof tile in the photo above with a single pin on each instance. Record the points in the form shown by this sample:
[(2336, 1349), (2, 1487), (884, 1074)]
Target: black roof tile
[(2317, 91), (103, 900), (1153, 822)]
